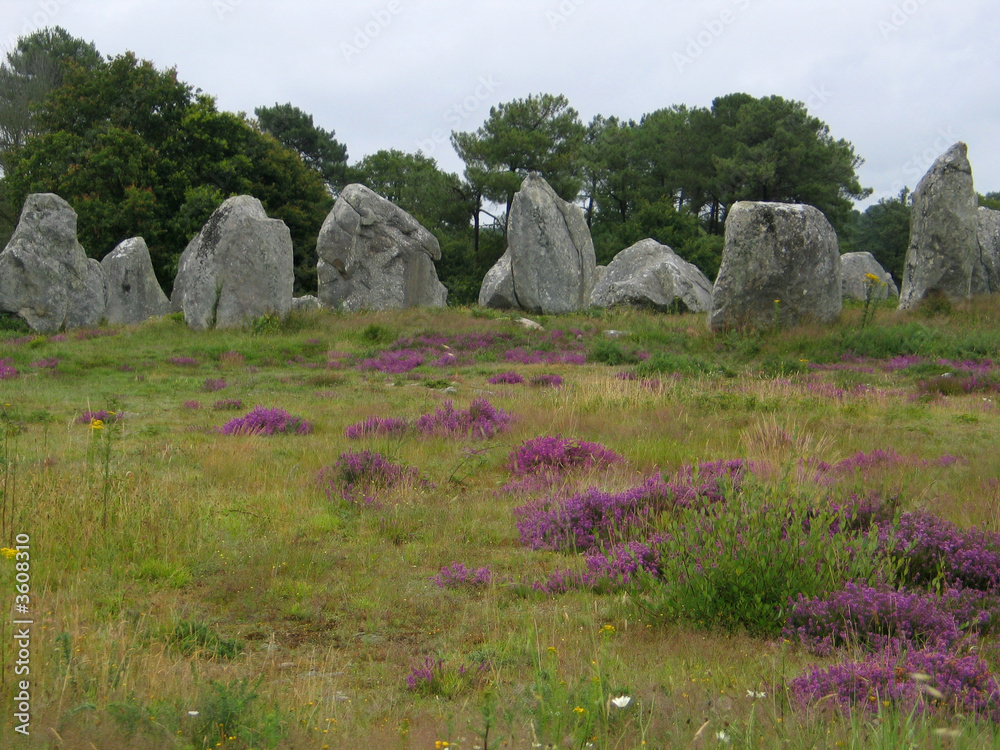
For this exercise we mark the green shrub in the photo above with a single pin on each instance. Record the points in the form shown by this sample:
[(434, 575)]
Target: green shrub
[(739, 564)]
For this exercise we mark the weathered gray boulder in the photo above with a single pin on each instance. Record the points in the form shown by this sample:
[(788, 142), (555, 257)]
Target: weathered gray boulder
[(551, 251), (306, 303), (986, 266), (133, 294), (944, 225), (780, 264), (856, 282), (375, 256), (45, 276), (497, 290), (236, 269), (652, 275)]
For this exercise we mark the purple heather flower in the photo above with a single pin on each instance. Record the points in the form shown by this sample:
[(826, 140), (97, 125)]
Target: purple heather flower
[(264, 421)]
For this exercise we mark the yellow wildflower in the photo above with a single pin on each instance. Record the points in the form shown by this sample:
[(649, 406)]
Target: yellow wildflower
[(97, 424), (579, 710), (9, 553), (873, 278)]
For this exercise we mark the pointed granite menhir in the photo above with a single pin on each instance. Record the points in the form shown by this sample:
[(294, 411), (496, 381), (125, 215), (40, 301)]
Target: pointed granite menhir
[(944, 226), (46, 277)]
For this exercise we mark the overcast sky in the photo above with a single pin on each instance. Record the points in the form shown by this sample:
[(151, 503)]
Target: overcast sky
[(900, 79)]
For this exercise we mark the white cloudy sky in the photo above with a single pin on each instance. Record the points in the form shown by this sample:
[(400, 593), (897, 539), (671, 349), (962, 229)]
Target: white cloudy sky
[(901, 79)]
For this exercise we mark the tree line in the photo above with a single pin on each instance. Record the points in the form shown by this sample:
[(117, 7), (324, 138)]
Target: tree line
[(136, 151)]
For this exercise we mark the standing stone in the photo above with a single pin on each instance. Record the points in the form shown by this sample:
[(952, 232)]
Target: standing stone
[(551, 251), (498, 286), (46, 277), (237, 268), (652, 275), (986, 268), (944, 225), (133, 293), (375, 256), (855, 282), (780, 264)]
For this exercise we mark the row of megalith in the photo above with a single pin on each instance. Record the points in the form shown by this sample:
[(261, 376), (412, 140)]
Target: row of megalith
[(780, 264)]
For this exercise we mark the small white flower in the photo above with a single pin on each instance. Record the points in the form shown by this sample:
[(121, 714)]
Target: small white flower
[(621, 701), (756, 694), (194, 713), (722, 736)]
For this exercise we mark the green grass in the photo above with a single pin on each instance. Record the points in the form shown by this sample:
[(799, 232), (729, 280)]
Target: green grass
[(177, 570)]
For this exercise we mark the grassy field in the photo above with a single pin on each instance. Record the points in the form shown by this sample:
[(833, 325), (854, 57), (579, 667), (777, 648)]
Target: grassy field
[(597, 549)]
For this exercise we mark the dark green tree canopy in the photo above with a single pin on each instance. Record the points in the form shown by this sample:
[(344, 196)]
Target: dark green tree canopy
[(36, 66), (315, 146), (136, 152), (884, 231), (538, 134)]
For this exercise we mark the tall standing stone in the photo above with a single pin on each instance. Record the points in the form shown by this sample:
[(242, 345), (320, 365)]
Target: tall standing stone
[(944, 226), (375, 256), (46, 277), (236, 269), (780, 264), (553, 265), (133, 293)]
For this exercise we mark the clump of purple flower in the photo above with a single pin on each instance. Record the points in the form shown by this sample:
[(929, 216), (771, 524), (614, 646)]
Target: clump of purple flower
[(377, 426), (393, 362), (480, 421), (48, 363), (457, 576), (264, 421), (183, 361), (228, 404), (506, 378), (7, 370), (553, 454), (192, 404), (107, 417), (360, 476), (933, 549), (434, 677), (214, 384), (911, 680)]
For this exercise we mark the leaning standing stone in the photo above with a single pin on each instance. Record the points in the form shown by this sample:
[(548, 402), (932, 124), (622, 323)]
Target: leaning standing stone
[(375, 256)]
